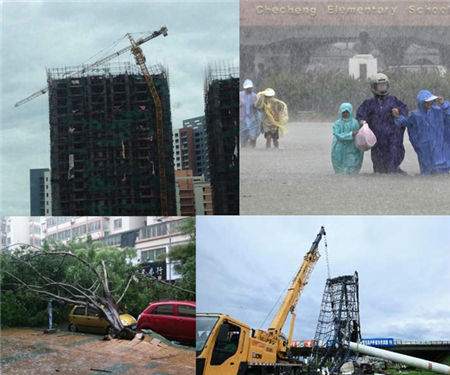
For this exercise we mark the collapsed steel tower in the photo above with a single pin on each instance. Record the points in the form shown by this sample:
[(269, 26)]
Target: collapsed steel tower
[(338, 322)]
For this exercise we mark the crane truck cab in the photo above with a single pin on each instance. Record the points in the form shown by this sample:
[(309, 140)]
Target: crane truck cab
[(226, 346)]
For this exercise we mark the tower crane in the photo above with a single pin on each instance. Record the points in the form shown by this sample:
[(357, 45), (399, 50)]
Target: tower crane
[(226, 346), (140, 60), (162, 31)]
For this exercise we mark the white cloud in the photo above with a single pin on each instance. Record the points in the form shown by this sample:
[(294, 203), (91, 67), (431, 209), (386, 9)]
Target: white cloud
[(245, 263)]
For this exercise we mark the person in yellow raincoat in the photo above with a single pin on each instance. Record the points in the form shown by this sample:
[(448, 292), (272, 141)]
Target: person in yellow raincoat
[(274, 115)]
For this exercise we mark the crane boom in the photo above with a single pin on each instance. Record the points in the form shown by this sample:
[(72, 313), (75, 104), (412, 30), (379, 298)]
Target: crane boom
[(140, 60), (296, 288), (162, 31)]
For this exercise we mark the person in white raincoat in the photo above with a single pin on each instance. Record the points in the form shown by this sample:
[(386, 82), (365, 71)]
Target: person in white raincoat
[(249, 116)]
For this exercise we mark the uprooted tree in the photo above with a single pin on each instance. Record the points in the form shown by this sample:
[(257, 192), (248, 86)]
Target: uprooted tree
[(74, 274)]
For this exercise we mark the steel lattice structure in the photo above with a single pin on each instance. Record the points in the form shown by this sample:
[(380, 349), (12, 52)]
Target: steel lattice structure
[(338, 322)]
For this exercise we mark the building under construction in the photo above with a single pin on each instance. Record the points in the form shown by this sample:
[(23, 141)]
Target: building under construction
[(222, 127), (104, 153)]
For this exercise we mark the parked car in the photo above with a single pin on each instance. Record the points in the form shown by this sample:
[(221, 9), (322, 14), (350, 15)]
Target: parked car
[(174, 320), (88, 320)]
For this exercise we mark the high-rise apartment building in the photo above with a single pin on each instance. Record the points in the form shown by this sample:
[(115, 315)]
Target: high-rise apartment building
[(193, 194), (104, 152), (190, 147), (40, 192), (222, 127)]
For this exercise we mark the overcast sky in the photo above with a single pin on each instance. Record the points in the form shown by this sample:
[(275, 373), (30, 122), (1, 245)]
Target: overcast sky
[(36, 35), (245, 263)]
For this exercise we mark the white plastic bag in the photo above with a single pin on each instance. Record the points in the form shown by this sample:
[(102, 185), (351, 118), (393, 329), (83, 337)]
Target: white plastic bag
[(365, 139)]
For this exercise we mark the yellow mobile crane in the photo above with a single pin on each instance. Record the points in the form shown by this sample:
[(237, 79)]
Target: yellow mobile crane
[(226, 346)]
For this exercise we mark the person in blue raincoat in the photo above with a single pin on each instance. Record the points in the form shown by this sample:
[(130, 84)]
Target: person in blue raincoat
[(388, 153), (345, 157), (426, 131), (249, 116)]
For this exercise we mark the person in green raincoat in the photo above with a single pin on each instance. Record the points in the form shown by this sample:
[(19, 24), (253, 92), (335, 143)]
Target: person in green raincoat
[(345, 157)]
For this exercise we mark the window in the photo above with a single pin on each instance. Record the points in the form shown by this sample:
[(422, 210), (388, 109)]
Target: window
[(93, 227), (152, 255), (92, 312), (227, 343), (79, 310), (117, 223), (51, 222), (188, 311), (153, 231), (163, 310), (112, 240)]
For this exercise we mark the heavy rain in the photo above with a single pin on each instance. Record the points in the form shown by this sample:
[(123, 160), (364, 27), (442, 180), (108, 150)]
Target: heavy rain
[(314, 62)]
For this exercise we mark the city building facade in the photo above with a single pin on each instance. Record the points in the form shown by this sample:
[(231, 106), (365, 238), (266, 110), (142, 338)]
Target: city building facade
[(156, 240), (153, 236), (21, 230), (193, 194), (191, 148), (40, 192)]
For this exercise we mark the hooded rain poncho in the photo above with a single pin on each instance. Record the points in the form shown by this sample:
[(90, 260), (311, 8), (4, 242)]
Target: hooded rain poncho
[(427, 133), (249, 117), (389, 152), (345, 157)]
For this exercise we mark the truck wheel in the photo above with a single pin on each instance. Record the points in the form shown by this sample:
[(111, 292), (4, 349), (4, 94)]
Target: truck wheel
[(72, 328)]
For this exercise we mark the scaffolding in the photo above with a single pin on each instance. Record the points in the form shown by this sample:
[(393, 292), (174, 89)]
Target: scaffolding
[(222, 128), (104, 156), (338, 323)]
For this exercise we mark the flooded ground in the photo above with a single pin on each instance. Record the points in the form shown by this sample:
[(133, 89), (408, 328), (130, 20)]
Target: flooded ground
[(28, 351), (299, 179)]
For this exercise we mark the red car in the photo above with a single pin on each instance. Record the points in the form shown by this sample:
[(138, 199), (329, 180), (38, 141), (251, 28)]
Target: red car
[(174, 320)]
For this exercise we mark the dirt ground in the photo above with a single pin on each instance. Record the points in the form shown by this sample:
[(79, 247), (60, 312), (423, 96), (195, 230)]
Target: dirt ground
[(299, 179), (28, 351)]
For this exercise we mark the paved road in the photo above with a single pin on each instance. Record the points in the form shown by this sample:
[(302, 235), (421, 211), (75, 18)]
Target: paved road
[(299, 179), (28, 351)]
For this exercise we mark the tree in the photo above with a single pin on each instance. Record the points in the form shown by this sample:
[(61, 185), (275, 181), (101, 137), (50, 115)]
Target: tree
[(86, 274), (184, 258)]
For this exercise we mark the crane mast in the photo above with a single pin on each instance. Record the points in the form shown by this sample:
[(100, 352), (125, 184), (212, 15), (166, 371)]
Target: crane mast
[(140, 60), (162, 31), (296, 288)]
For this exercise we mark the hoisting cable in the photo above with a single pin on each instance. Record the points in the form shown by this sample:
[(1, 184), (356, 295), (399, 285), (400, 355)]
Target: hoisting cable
[(104, 51), (326, 254), (283, 291)]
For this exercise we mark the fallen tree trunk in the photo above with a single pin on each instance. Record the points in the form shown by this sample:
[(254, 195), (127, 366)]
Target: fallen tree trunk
[(98, 297)]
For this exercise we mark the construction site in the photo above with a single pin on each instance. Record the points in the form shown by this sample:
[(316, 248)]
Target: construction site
[(104, 142), (227, 346), (222, 127), (111, 136)]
